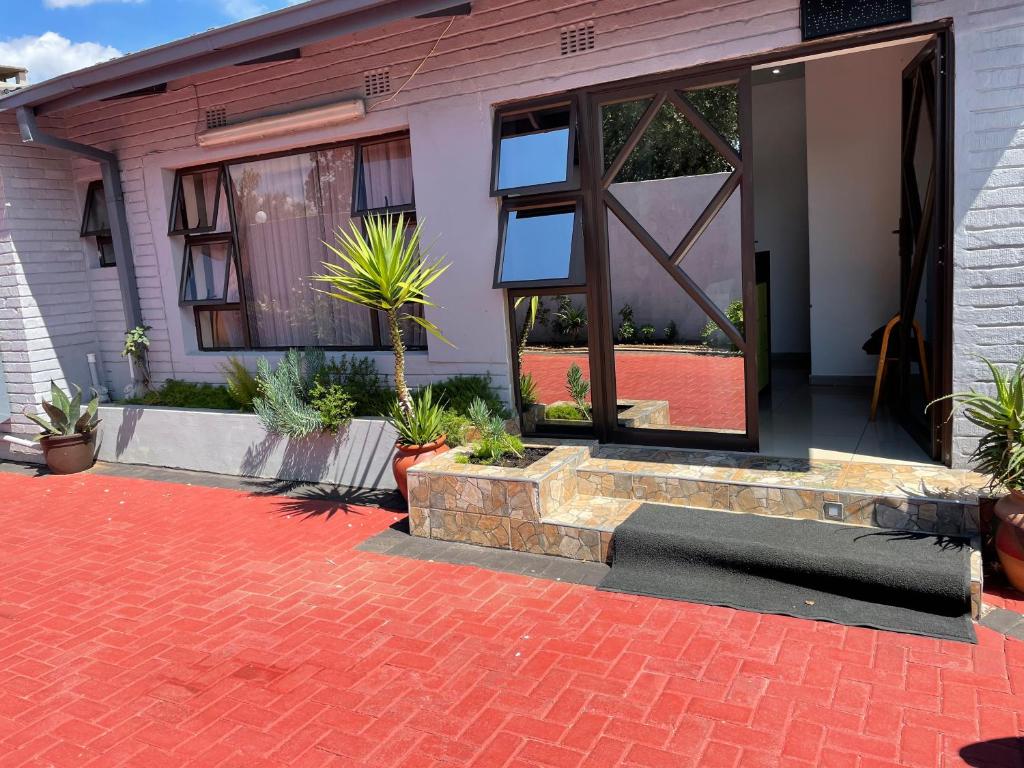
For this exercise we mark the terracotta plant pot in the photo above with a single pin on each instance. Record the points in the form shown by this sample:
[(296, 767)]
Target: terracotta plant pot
[(1010, 537), (409, 455), (67, 455)]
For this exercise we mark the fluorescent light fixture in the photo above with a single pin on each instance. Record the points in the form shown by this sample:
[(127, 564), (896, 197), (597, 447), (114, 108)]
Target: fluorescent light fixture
[(279, 125)]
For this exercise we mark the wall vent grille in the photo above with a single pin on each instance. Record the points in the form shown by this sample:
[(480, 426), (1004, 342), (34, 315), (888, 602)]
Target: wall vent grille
[(578, 38), (216, 117), (377, 82)]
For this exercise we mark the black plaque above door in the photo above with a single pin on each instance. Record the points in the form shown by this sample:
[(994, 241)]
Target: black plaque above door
[(822, 18)]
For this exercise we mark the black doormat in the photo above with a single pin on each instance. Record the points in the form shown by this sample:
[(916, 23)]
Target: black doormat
[(905, 582)]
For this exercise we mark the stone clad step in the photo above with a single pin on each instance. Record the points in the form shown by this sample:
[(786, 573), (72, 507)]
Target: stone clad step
[(913, 497)]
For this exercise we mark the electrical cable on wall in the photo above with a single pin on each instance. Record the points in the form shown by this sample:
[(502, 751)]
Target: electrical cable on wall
[(418, 67)]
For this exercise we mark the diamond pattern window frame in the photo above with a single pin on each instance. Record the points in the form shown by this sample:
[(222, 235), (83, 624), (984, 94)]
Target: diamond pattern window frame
[(672, 262), (572, 160)]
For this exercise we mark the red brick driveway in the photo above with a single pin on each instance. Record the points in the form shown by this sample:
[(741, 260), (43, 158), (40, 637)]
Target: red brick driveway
[(149, 624), (703, 391)]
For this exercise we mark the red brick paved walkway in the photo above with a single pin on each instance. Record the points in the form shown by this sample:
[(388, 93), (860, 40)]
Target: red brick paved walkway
[(703, 391), (152, 625)]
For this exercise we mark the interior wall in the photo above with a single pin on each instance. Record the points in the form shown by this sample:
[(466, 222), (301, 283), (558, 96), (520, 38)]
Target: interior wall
[(853, 188), (780, 208)]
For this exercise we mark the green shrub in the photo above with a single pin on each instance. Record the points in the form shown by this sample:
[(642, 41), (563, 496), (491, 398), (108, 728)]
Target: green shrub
[(283, 403), (188, 394), (459, 392), (495, 442), (627, 328), (570, 320), (333, 404), (241, 385), (671, 332), (645, 334), (455, 426), (564, 412), (713, 335), (364, 384)]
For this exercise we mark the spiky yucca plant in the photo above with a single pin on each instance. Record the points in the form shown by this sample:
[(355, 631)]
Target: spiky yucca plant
[(1000, 451), (66, 416), (384, 269)]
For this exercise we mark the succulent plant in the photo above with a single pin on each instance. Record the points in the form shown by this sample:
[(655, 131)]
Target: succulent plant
[(66, 415)]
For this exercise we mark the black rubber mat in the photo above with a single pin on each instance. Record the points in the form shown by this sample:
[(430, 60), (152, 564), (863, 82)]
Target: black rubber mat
[(905, 582)]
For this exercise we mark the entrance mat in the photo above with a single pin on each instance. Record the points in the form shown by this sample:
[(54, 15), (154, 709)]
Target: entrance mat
[(905, 582)]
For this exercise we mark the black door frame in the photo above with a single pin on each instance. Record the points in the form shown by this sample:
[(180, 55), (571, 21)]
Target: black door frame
[(598, 289)]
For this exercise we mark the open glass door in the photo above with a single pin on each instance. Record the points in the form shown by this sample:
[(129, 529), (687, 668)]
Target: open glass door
[(924, 280), (671, 190)]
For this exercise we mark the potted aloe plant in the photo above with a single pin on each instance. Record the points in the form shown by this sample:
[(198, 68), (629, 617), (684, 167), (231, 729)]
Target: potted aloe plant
[(1000, 455), (67, 436), (383, 269)]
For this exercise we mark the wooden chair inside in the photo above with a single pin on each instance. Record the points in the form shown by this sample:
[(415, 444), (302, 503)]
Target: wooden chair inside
[(884, 360)]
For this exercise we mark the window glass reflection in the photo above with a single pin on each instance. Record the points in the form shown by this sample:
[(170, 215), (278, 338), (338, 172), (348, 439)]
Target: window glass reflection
[(538, 245), (534, 149)]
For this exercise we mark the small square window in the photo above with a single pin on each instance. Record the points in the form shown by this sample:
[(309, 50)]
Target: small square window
[(95, 220), (220, 328), (198, 203), (535, 150), (208, 273), (105, 248), (540, 246), (383, 177)]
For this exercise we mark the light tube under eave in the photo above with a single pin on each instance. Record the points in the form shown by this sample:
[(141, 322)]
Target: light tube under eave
[(279, 125)]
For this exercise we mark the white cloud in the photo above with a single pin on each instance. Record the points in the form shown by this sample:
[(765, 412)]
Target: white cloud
[(50, 54), (82, 3)]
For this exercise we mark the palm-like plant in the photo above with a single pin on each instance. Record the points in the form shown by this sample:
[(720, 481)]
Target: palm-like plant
[(383, 269), (1000, 451)]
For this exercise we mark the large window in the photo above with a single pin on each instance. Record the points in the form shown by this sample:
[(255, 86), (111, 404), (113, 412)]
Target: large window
[(247, 274)]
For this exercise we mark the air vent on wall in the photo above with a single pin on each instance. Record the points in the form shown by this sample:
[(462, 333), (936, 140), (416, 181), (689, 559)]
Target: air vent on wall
[(377, 82), (578, 38), (216, 117)]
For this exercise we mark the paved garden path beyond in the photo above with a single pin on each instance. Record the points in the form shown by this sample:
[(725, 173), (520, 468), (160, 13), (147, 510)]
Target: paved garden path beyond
[(150, 624), (703, 391)]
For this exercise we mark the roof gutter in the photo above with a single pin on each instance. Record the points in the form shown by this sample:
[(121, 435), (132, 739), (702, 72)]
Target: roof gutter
[(114, 194)]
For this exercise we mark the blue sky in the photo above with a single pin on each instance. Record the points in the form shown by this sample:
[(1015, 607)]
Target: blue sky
[(50, 37)]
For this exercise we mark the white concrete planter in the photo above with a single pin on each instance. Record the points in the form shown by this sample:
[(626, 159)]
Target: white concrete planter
[(231, 443)]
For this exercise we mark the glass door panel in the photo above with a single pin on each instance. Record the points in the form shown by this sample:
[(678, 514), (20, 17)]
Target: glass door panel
[(551, 345), (679, 250)]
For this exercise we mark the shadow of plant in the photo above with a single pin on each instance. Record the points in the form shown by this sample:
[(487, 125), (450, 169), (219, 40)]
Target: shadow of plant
[(310, 500)]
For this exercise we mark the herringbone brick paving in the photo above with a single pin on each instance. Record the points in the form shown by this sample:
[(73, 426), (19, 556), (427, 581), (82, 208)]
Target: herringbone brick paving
[(150, 624)]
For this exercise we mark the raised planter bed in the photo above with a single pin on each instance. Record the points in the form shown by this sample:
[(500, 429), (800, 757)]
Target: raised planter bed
[(232, 443), (501, 507)]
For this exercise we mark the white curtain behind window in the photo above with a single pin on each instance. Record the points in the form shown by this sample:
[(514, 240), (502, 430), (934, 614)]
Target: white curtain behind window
[(285, 208), (387, 174)]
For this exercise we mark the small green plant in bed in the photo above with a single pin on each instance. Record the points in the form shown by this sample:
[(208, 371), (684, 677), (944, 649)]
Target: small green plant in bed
[(187, 394), (240, 383), (454, 426), (283, 405), (495, 446), (564, 412), (333, 404)]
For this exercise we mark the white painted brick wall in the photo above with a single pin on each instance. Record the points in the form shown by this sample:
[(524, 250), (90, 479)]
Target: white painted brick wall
[(46, 310)]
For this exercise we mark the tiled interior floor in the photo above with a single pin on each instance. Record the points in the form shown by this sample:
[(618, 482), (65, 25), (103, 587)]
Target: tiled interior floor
[(830, 422)]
